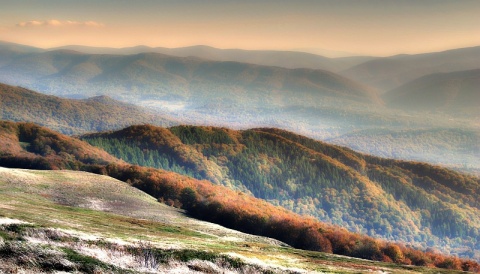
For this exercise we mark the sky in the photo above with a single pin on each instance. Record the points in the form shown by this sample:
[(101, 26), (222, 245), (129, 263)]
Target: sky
[(329, 27)]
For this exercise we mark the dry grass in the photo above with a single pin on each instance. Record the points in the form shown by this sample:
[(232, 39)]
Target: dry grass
[(83, 222)]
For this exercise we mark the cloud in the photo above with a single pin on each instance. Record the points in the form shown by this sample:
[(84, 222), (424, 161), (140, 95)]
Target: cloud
[(58, 23)]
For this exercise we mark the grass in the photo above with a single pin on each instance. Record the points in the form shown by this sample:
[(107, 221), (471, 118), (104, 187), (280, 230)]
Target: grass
[(56, 204), (89, 264)]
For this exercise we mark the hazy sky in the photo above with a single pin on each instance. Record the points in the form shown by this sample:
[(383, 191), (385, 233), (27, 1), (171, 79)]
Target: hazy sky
[(374, 27)]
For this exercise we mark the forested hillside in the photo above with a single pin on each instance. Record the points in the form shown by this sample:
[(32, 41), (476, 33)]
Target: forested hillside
[(72, 116), (406, 201), (26, 145)]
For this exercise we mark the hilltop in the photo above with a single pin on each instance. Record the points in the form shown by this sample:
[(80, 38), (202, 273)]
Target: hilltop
[(388, 73), (98, 223), (71, 116), (454, 92), (77, 221)]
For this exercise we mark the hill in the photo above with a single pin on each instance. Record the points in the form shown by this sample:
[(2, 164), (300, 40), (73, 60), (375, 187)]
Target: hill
[(72, 116), (391, 72), (189, 90), (461, 147), (285, 59), (404, 201), (199, 197), (454, 92), (147, 76), (77, 221), (10, 51), (81, 221)]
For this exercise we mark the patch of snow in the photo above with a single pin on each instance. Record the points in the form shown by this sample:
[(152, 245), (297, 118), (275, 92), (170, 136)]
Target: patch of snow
[(232, 239), (8, 221), (115, 257), (264, 263), (80, 235), (96, 204)]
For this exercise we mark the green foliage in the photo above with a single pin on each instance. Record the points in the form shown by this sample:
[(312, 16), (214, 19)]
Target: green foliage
[(188, 198), (200, 135), (132, 152)]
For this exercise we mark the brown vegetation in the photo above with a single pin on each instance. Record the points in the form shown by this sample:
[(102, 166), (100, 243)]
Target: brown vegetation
[(206, 201)]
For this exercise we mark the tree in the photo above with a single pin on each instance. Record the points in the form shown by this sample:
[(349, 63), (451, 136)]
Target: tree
[(188, 198)]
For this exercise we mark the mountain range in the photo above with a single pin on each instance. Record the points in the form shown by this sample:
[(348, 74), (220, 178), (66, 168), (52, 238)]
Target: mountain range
[(198, 77), (286, 59), (388, 73), (147, 76)]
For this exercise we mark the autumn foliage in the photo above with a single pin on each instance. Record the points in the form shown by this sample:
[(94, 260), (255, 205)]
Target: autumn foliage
[(245, 213), (214, 203)]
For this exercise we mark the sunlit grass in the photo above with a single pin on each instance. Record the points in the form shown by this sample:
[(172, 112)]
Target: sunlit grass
[(177, 237)]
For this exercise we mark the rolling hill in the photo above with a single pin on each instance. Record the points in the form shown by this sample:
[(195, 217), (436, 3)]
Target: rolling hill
[(455, 92), (459, 146), (105, 223), (27, 145), (72, 116), (396, 200), (146, 76), (388, 73), (77, 221), (285, 59)]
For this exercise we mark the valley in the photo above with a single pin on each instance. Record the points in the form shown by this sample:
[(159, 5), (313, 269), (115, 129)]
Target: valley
[(317, 103)]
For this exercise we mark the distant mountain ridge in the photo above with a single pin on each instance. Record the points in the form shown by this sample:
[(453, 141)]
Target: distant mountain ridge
[(391, 72), (128, 72), (154, 75), (383, 73), (286, 59), (448, 92)]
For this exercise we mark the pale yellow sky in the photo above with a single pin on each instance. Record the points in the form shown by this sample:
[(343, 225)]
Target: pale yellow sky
[(368, 27)]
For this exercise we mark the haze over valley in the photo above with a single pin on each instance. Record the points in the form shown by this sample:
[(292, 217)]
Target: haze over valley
[(315, 102)]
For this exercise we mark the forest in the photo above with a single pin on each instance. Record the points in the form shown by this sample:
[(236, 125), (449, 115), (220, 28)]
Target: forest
[(396, 200), (22, 146)]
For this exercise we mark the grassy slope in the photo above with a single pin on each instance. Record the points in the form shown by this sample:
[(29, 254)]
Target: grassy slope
[(97, 207)]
